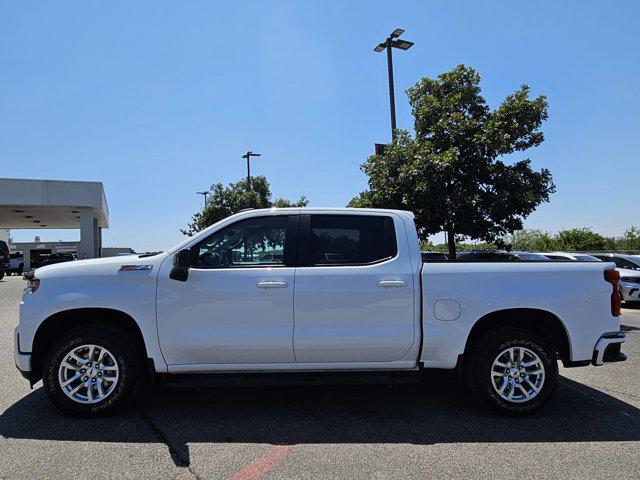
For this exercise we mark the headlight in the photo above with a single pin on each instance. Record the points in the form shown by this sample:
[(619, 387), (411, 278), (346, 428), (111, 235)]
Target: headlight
[(32, 286)]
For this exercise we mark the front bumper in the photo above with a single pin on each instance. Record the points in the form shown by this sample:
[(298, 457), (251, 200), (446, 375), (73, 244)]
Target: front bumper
[(630, 291), (23, 360), (608, 349)]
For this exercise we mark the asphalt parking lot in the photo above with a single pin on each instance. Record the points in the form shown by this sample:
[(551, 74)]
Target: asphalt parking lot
[(432, 430)]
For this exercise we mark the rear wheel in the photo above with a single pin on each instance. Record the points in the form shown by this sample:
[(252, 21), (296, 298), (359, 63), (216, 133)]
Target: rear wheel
[(513, 371), (1, 273), (92, 370)]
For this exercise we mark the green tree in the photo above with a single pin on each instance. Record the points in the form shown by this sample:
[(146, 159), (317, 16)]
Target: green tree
[(532, 241), (225, 201), (584, 239), (630, 240), (450, 173)]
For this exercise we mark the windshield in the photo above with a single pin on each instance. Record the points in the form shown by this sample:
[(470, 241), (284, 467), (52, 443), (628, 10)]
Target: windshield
[(586, 258), (626, 263), (532, 256), (556, 258)]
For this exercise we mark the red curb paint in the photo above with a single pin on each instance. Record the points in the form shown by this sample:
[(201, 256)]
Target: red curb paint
[(263, 464)]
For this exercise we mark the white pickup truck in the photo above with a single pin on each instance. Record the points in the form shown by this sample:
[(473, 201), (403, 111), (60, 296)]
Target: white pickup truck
[(313, 290)]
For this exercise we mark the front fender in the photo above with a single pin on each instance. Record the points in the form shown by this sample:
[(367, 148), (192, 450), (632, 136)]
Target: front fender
[(130, 292)]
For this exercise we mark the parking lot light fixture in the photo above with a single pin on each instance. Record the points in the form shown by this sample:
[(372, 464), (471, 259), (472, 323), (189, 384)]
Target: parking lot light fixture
[(204, 194), (248, 156), (393, 42)]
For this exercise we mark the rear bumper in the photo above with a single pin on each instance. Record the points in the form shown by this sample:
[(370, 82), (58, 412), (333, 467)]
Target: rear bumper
[(608, 349), (23, 360)]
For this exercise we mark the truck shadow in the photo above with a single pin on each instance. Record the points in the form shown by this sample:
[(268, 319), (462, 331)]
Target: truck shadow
[(437, 411)]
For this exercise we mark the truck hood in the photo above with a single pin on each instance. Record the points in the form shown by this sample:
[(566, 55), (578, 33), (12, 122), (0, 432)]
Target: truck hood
[(98, 266)]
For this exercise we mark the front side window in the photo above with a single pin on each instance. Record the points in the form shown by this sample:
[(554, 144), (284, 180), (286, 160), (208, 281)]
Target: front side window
[(248, 243), (351, 240)]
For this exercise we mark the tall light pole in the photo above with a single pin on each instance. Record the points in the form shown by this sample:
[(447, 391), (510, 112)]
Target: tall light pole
[(248, 156), (393, 42), (205, 196)]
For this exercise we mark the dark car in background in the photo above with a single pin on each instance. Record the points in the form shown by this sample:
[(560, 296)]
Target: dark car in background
[(486, 255), (500, 256), (5, 258), (530, 256), (430, 256), (54, 258)]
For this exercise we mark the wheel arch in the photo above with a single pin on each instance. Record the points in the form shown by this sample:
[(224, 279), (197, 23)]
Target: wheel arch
[(61, 322), (542, 322)]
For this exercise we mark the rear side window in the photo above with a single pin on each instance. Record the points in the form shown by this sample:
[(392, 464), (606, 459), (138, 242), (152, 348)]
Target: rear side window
[(351, 240)]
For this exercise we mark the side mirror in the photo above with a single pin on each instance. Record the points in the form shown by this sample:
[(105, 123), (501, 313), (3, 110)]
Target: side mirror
[(181, 264)]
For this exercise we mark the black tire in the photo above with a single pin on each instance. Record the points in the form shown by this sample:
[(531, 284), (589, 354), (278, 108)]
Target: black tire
[(479, 367), (120, 344), (21, 269), (1, 273)]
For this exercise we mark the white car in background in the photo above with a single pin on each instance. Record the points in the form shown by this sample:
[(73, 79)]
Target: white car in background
[(629, 262), (629, 284), (564, 256), (629, 268)]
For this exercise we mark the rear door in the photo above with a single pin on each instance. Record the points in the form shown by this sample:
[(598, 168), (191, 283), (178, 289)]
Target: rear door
[(354, 298)]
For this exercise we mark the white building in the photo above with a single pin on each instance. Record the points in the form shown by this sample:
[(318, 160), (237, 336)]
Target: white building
[(43, 204)]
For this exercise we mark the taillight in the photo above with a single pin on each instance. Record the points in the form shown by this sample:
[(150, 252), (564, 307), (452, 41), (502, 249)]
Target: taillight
[(613, 277)]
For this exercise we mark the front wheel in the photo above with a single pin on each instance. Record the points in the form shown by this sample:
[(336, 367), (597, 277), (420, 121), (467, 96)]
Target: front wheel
[(92, 370), (513, 371)]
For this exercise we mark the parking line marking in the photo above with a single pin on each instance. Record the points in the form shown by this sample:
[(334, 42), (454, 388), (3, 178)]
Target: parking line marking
[(263, 464)]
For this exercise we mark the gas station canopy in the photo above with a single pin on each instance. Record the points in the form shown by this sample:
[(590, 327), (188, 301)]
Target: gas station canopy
[(43, 204), (50, 203)]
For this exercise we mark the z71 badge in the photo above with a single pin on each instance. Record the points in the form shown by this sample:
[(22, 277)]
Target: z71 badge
[(128, 268)]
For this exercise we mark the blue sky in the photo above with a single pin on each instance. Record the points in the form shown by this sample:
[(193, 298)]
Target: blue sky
[(160, 99)]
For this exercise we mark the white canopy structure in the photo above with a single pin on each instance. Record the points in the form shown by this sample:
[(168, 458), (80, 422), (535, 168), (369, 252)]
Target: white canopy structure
[(43, 204)]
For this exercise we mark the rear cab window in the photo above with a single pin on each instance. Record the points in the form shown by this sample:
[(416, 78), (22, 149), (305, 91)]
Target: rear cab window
[(344, 240)]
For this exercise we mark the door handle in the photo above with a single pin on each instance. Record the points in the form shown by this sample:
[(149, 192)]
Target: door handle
[(392, 283), (271, 284)]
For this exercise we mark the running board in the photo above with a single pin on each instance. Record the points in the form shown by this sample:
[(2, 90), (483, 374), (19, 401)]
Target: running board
[(195, 380)]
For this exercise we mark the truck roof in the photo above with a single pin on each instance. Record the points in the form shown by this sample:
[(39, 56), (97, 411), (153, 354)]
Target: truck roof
[(249, 212), (337, 209)]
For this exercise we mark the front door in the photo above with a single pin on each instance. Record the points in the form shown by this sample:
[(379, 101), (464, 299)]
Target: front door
[(236, 306)]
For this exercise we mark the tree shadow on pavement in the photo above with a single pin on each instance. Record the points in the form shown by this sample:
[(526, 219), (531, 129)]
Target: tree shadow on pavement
[(436, 411)]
